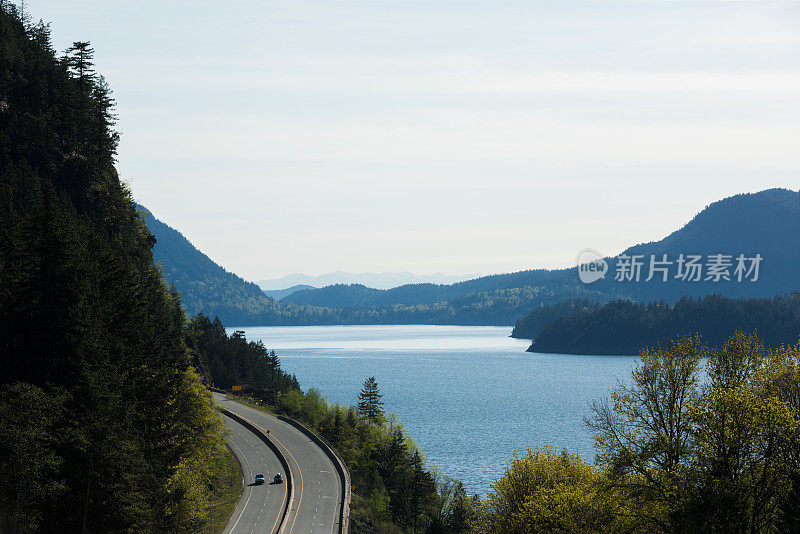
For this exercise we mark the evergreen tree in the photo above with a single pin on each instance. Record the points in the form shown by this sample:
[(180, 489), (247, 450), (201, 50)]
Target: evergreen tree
[(105, 426), (369, 402), (230, 360), (80, 58)]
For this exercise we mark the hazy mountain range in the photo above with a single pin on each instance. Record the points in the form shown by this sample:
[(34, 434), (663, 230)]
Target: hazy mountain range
[(373, 280), (766, 224), (278, 294)]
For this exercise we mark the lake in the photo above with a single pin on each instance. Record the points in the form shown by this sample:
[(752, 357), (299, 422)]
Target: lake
[(469, 396)]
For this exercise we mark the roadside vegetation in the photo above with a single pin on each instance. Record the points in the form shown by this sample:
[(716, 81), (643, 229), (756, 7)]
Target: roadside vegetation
[(686, 446), (394, 490), (227, 360), (226, 488)]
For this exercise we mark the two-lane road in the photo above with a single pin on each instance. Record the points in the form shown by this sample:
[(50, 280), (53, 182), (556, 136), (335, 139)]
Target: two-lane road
[(317, 486), (260, 507)]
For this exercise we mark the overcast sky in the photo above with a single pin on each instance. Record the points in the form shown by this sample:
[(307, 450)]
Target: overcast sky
[(440, 135)]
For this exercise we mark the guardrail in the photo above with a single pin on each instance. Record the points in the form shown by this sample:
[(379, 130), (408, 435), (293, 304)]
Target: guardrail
[(338, 463), (281, 458)]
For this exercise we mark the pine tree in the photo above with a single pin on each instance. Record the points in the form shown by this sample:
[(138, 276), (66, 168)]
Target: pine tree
[(79, 59), (422, 488), (369, 402), (94, 405)]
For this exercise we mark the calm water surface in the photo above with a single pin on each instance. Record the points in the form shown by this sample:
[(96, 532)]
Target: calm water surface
[(469, 396)]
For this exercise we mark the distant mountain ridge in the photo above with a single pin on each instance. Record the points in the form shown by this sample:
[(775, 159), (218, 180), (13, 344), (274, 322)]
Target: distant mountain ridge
[(207, 287), (278, 294), (372, 280), (765, 223)]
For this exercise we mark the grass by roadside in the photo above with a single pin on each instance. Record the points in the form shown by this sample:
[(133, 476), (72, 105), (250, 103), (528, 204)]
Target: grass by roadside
[(225, 492), (248, 401)]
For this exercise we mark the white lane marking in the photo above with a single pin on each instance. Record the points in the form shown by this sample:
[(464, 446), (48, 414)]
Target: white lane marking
[(294, 505), (249, 492)]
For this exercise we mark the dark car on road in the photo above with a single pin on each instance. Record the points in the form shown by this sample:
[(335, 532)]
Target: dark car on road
[(260, 478)]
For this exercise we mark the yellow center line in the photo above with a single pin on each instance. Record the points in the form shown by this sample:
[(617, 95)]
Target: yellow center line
[(275, 526), (300, 499)]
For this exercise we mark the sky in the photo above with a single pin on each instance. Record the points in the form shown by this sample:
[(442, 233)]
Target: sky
[(440, 136)]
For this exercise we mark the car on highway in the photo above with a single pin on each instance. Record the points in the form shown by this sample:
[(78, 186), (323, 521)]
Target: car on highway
[(278, 479), (259, 478)]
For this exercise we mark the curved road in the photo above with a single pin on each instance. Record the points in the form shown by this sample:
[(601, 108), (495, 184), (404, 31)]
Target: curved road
[(260, 507), (317, 487)]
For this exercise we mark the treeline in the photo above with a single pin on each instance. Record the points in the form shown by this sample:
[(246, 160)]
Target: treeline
[(529, 326), (105, 426), (769, 225), (394, 491), (208, 288), (624, 327), (226, 360), (500, 307), (682, 447)]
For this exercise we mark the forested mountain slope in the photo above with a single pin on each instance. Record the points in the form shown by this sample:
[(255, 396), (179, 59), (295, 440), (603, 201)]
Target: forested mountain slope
[(104, 425), (766, 224), (204, 285), (208, 288)]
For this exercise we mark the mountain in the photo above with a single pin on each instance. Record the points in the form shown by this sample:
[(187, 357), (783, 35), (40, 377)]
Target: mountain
[(373, 280), (207, 287), (106, 427), (766, 223), (204, 285), (278, 294)]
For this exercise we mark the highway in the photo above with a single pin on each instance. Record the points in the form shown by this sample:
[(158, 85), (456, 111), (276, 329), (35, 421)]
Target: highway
[(260, 507), (317, 486)]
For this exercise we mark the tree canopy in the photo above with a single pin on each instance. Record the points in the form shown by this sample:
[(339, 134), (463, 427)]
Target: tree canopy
[(625, 327), (369, 401), (105, 425), (698, 440)]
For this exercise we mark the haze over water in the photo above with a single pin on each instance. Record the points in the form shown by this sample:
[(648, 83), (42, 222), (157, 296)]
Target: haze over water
[(469, 396)]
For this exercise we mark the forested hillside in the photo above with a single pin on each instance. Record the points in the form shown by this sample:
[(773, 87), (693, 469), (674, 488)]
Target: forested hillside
[(226, 360), (625, 327), (204, 285), (208, 288), (278, 294), (765, 224), (532, 324), (105, 426)]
